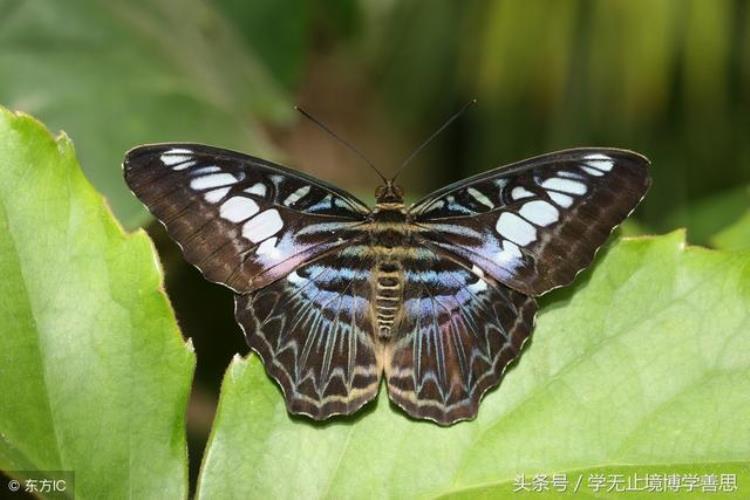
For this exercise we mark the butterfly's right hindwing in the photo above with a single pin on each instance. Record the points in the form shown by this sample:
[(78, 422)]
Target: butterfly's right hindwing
[(242, 221), (313, 330)]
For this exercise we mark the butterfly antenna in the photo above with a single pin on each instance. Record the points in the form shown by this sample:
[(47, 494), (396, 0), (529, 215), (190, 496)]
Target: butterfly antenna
[(435, 134), (341, 141)]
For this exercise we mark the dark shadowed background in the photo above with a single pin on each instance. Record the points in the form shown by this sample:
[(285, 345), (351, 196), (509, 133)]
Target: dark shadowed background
[(667, 78)]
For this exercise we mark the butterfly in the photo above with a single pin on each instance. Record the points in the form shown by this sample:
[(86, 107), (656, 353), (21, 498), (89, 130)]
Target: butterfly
[(437, 298)]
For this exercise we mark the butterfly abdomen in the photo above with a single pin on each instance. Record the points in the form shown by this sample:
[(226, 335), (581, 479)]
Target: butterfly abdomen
[(389, 290)]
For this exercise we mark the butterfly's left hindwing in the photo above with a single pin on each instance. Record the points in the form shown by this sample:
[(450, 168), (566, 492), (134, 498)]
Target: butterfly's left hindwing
[(242, 221), (535, 224)]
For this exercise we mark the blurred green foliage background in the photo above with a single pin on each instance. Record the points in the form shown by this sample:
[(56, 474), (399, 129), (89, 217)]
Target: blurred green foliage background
[(667, 78)]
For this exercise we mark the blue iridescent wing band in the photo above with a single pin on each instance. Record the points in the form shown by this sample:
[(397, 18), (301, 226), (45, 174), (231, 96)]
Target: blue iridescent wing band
[(535, 224), (242, 221)]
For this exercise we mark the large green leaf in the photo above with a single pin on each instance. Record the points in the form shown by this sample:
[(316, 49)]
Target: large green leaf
[(118, 74), (94, 375), (644, 366)]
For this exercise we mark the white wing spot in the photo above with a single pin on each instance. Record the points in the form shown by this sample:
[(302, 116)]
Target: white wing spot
[(216, 195), (508, 254), (592, 171), (539, 212), (184, 165), (258, 188), (480, 197), (520, 193), (212, 181), (268, 247), (296, 279), (600, 161), (476, 270), (177, 158), (512, 227), (295, 196), (570, 175), (479, 286), (205, 170), (238, 208), (512, 249), (262, 226), (605, 165), (564, 185), (563, 200), (435, 205)]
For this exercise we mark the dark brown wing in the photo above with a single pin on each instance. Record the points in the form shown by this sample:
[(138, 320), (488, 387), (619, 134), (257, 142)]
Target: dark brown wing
[(242, 221), (535, 224)]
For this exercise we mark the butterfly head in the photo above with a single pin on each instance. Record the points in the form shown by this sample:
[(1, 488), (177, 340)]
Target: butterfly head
[(389, 193)]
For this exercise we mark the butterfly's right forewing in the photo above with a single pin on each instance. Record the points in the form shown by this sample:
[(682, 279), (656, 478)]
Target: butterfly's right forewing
[(242, 221)]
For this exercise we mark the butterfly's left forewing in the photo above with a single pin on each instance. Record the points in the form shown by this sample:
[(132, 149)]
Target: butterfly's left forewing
[(242, 221), (535, 224)]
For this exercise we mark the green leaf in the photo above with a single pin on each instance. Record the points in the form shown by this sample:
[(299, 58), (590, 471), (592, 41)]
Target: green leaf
[(118, 74), (94, 375), (644, 366), (734, 237)]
